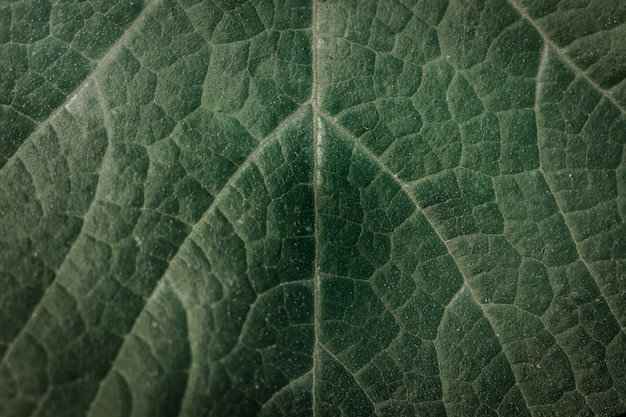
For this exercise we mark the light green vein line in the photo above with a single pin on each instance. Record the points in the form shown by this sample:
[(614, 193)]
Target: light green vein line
[(566, 59), (24, 115), (295, 382), (209, 210), (413, 199), (56, 270), (356, 380), (317, 143), (542, 64), (103, 61), (41, 400)]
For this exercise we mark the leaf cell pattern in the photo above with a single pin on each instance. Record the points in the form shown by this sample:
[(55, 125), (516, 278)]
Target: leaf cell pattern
[(312, 208)]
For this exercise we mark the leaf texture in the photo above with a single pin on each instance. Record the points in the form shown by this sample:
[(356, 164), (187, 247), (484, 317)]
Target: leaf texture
[(326, 208)]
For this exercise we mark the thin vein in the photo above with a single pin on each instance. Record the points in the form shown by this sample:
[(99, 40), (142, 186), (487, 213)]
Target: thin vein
[(316, 175), (564, 57), (413, 199), (157, 289), (544, 58), (163, 278), (69, 251), (295, 382), (349, 372), (556, 343), (103, 61), (24, 115), (263, 295)]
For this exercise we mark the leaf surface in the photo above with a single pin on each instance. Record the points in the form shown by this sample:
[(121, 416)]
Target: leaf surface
[(288, 208)]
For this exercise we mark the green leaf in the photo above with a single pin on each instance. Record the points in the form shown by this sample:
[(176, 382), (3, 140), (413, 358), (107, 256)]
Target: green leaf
[(309, 208)]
